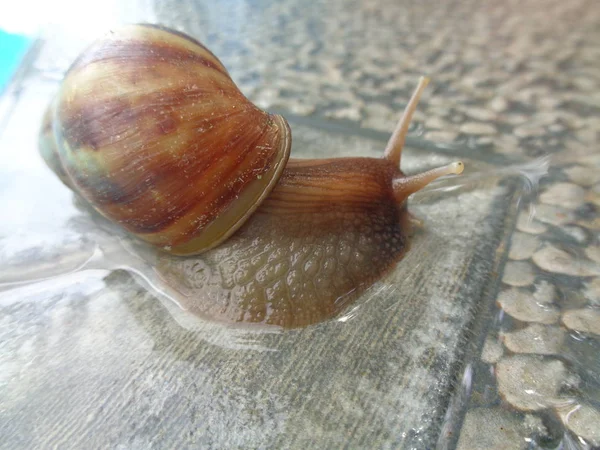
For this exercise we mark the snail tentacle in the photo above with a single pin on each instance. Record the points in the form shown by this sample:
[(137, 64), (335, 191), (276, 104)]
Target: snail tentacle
[(405, 186), (393, 150)]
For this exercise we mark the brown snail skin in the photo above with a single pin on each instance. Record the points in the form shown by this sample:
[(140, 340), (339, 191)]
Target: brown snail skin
[(149, 128)]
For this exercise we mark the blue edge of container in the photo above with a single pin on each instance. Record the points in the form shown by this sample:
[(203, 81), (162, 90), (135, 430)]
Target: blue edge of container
[(13, 48)]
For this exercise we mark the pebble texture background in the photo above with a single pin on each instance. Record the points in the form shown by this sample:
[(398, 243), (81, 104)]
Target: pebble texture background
[(518, 77), (512, 81), (544, 351)]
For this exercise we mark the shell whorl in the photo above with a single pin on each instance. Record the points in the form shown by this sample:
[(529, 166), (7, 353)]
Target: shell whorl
[(151, 130)]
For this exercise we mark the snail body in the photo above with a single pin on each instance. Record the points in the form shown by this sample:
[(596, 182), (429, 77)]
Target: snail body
[(149, 128)]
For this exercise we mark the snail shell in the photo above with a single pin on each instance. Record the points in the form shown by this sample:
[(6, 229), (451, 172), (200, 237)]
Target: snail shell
[(150, 129)]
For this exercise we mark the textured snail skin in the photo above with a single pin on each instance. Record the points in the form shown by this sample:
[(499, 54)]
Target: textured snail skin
[(150, 129), (327, 231)]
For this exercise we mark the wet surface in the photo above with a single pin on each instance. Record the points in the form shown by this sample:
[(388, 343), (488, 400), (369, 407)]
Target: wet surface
[(490, 322)]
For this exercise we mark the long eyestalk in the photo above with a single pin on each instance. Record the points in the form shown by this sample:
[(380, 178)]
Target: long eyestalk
[(405, 186), (393, 150)]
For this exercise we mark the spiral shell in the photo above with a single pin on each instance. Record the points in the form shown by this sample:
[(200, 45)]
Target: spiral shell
[(150, 129)]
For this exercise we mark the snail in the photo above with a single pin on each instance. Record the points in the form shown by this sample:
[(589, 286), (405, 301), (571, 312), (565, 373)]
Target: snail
[(149, 128)]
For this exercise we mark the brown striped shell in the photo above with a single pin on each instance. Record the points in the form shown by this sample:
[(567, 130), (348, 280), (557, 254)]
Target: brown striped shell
[(150, 129)]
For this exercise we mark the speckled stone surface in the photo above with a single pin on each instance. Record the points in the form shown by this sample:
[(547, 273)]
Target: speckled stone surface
[(511, 82)]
